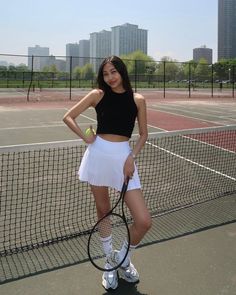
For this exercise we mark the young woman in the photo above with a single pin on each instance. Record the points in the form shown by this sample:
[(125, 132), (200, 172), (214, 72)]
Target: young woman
[(109, 160)]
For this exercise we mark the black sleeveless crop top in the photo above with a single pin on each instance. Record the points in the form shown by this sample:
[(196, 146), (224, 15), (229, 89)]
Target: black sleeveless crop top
[(116, 113)]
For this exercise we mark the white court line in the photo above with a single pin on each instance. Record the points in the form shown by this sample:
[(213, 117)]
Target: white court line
[(192, 162), (196, 118), (31, 127), (38, 126), (176, 107), (45, 126), (210, 144), (88, 118), (156, 128)]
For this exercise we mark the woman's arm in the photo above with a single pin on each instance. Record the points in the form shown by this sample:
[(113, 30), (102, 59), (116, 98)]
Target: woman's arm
[(143, 135), (89, 100), (142, 123)]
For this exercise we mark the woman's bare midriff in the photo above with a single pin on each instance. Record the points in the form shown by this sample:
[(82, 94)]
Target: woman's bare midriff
[(113, 137)]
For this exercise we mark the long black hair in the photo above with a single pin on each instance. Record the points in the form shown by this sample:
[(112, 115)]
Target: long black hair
[(120, 67)]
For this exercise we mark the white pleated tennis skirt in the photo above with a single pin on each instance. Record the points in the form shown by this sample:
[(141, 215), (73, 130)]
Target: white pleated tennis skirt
[(103, 162)]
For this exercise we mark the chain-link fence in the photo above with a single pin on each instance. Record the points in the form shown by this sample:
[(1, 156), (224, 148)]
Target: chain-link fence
[(22, 73)]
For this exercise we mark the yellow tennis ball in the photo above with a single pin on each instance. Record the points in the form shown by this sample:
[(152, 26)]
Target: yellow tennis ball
[(90, 132)]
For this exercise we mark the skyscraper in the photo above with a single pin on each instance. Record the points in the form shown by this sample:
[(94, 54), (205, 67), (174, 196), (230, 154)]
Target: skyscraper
[(128, 38), (120, 40), (100, 47), (226, 29), (84, 52), (72, 50), (40, 54)]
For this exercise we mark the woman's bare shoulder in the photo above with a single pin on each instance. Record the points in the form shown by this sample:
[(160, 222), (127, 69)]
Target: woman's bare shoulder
[(139, 99), (96, 92), (94, 96), (138, 96)]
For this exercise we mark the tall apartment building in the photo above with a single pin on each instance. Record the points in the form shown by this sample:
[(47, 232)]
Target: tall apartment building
[(72, 54), (40, 59), (226, 29), (120, 40), (128, 38), (100, 47), (202, 52), (84, 52)]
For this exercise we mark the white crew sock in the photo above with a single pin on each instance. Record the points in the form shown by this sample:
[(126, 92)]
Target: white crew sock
[(107, 244), (123, 251)]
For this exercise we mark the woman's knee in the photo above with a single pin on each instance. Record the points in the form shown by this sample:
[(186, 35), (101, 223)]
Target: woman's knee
[(148, 223), (144, 223)]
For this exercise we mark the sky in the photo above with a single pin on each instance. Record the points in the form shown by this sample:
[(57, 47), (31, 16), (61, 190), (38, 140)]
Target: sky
[(174, 27)]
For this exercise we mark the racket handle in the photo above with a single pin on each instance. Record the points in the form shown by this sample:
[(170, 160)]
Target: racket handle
[(125, 185)]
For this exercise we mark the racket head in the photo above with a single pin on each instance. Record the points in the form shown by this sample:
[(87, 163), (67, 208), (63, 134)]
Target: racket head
[(112, 223)]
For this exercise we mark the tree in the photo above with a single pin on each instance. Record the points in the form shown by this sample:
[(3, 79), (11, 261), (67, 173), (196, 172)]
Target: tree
[(203, 70), (11, 68), (3, 68), (87, 72), (138, 62), (50, 69), (189, 69), (77, 73), (171, 68), (225, 69), (22, 68)]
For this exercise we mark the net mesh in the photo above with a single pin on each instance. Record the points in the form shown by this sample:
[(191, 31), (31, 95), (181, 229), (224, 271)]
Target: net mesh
[(43, 202)]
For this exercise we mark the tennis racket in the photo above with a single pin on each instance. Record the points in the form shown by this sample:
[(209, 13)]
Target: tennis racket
[(114, 224)]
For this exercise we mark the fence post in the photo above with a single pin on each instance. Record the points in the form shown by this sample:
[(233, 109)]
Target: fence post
[(7, 78), (70, 76), (233, 79), (189, 80), (135, 75), (31, 78), (52, 79), (23, 79), (164, 78), (212, 81)]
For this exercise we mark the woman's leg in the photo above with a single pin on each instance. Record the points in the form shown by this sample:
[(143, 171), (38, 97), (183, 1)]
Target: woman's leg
[(142, 223), (101, 196), (142, 220), (102, 202)]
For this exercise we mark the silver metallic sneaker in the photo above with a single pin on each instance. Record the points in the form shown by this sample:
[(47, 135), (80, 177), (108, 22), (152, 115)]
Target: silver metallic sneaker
[(110, 279), (128, 273)]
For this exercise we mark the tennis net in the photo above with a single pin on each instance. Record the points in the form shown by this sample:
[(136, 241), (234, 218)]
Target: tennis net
[(43, 202)]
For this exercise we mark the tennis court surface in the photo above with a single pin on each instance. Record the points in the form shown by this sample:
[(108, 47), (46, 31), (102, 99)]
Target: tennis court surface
[(189, 182)]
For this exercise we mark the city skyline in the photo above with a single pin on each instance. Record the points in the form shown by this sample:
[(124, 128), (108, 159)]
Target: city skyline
[(174, 27)]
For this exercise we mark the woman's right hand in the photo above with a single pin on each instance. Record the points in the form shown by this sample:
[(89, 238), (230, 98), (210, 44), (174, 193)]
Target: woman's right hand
[(90, 135)]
